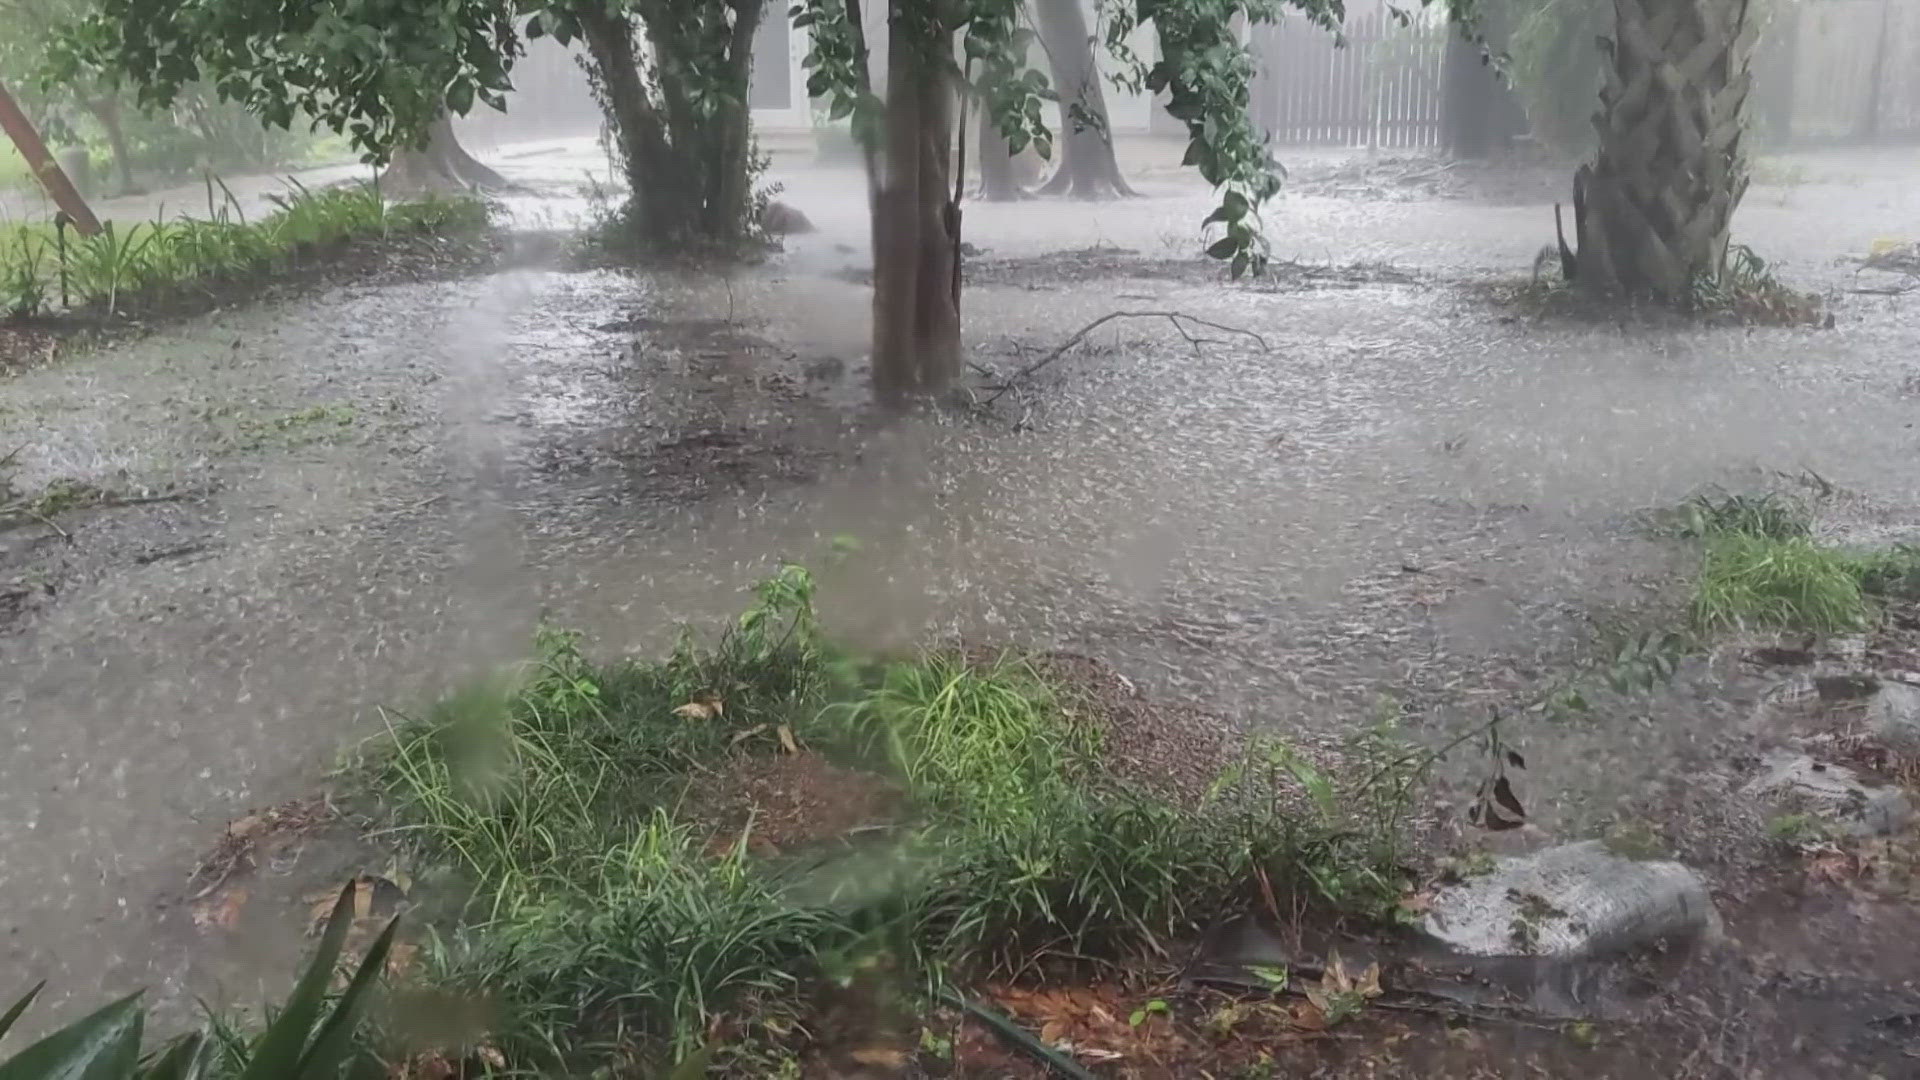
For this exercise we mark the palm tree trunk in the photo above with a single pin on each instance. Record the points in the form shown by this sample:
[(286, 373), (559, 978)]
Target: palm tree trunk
[(1653, 210)]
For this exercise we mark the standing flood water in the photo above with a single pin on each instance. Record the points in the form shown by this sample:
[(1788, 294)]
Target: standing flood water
[(1402, 489)]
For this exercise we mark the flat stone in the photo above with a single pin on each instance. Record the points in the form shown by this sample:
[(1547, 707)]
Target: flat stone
[(1893, 715), (1575, 900), (1834, 792)]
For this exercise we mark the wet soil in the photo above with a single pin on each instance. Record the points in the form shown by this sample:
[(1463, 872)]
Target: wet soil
[(378, 489)]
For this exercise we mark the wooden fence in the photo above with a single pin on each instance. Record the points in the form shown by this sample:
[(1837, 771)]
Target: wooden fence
[(1381, 90), (1841, 70)]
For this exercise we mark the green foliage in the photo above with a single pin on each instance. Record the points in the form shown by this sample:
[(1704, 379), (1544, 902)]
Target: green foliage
[(1551, 57), (1795, 830), (982, 738), (1713, 514), (603, 907), (1756, 582), (150, 259), (311, 1037), (1893, 573), (377, 74)]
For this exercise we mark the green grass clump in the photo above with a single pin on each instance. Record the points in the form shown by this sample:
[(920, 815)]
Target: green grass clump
[(1893, 573), (147, 259), (1754, 582), (1710, 515), (602, 910)]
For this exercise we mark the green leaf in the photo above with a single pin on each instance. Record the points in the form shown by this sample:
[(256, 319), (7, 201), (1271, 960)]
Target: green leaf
[(460, 97), (1235, 205), (182, 1060), (14, 1011), (535, 28), (693, 1066), (335, 1041), (278, 1053), (1223, 248), (104, 1045), (842, 106)]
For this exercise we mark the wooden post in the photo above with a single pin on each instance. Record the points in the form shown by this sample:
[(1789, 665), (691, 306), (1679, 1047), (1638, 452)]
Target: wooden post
[(51, 176)]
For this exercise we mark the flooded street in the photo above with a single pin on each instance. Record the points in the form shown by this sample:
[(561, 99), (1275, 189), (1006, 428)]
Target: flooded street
[(1400, 489)]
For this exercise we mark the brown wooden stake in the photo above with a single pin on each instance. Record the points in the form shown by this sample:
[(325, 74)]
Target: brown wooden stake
[(52, 177)]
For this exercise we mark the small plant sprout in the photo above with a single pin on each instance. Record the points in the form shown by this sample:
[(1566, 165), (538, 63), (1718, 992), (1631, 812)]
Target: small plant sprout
[(1156, 1007)]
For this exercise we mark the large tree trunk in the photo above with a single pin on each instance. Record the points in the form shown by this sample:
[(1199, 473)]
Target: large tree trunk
[(916, 230), (1653, 210), (1087, 166), (440, 165), (663, 197), (998, 182)]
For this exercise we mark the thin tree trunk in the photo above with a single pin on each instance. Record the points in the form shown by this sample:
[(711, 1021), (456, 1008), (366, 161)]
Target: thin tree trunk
[(732, 138), (442, 164), (107, 111), (997, 180), (1087, 169), (916, 312), (1469, 99)]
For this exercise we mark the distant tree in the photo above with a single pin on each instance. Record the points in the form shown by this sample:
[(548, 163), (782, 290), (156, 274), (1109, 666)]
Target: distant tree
[(913, 152), (1087, 168)]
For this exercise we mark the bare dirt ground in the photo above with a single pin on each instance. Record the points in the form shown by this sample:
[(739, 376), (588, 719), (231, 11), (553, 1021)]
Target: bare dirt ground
[(311, 510)]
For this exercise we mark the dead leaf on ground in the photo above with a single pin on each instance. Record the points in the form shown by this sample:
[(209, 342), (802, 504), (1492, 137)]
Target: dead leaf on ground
[(787, 742), (220, 911), (1309, 1015), (705, 707), (880, 1057)]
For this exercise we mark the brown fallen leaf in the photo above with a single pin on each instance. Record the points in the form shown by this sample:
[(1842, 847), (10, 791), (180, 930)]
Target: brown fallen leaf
[(880, 1057), (695, 710), (400, 958), (787, 742), (221, 911), (1308, 1016)]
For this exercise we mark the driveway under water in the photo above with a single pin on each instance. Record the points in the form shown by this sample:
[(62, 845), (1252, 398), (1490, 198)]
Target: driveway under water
[(1407, 491)]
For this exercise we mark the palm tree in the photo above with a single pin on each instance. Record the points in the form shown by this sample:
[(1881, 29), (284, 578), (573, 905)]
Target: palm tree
[(1652, 211)]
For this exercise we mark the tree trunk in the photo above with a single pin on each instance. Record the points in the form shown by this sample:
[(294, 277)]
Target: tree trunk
[(997, 180), (730, 134), (1087, 166), (1653, 210), (916, 230), (107, 111), (1469, 99), (663, 201), (440, 165)]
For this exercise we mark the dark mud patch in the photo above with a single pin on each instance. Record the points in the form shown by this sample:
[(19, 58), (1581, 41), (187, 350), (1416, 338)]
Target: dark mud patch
[(789, 802), (49, 546), (1172, 751), (731, 413), (1546, 298), (1513, 179), (1067, 269), (310, 269)]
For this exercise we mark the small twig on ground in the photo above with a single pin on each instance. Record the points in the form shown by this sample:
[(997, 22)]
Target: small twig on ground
[(49, 523), (1080, 335)]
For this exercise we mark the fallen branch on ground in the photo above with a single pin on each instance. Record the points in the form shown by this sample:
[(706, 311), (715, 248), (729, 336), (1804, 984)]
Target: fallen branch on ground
[(1174, 317)]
